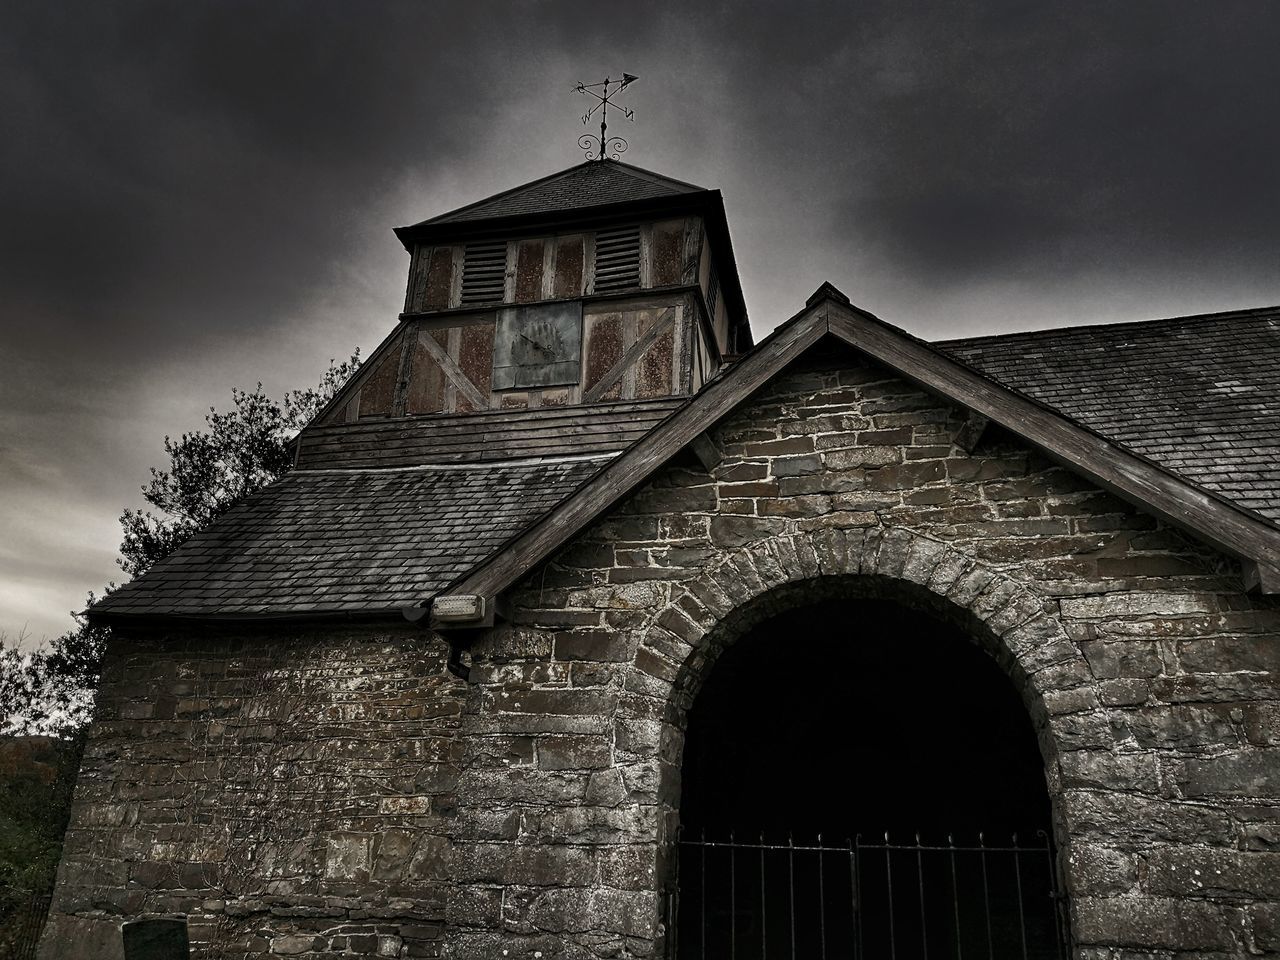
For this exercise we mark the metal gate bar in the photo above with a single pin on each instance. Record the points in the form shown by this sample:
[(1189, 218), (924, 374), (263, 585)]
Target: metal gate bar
[(906, 900)]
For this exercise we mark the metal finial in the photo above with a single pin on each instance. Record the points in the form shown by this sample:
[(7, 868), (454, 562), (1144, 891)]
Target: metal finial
[(598, 147)]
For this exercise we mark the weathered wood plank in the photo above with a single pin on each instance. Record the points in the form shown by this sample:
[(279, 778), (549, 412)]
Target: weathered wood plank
[(633, 353), (467, 422), (451, 370), (488, 435)]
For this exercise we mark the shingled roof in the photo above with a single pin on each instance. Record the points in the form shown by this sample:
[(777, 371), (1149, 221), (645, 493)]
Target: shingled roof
[(1198, 395), (594, 183), (336, 541), (1195, 399)]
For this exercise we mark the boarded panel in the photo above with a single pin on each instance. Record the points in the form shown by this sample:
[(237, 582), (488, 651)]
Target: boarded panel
[(439, 279), (668, 252), (378, 389), (603, 349), (529, 271), (426, 381), (568, 280), (538, 345), (475, 357), (549, 430), (653, 376)]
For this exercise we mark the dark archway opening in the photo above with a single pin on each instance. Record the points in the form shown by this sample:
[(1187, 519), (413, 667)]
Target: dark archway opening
[(824, 729)]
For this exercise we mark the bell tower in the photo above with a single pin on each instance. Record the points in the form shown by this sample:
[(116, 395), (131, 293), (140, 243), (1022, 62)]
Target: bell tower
[(598, 286)]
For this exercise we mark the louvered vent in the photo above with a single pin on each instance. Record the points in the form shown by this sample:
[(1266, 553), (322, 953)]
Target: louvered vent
[(617, 259), (484, 269), (713, 292)]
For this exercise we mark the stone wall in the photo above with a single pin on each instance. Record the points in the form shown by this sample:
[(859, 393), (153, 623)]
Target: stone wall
[(290, 793), (530, 816)]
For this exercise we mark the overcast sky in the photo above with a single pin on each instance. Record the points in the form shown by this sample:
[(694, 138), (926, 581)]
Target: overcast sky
[(195, 195)]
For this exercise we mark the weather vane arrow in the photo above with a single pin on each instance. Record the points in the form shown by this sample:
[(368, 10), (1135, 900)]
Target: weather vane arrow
[(604, 143)]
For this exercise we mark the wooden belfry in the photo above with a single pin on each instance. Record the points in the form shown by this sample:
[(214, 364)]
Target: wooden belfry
[(600, 294)]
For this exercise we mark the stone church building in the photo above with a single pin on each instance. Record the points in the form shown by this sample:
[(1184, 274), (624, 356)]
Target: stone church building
[(587, 627)]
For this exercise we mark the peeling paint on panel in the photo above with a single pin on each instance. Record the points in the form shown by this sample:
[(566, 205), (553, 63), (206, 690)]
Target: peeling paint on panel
[(529, 271), (653, 378), (668, 252), (378, 390), (475, 357), (439, 279), (603, 347), (568, 270), (426, 382)]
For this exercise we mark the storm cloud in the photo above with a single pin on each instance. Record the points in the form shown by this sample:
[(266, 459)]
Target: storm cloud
[(201, 195)]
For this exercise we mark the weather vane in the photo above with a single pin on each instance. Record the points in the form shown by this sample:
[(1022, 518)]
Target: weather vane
[(604, 143)]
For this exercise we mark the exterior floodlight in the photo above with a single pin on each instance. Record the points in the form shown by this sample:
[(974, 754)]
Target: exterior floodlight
[(458, 609)]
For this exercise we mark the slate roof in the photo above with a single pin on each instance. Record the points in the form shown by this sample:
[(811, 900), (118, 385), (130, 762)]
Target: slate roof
[(334, 541), (1200, 396), (594, 183)]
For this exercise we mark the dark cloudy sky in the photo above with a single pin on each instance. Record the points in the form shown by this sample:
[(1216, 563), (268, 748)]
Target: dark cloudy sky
[(198, 195)]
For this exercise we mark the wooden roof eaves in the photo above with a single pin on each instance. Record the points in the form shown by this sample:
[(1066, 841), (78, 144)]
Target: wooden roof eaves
[(1135, 479), (573, 218), (163, 620)]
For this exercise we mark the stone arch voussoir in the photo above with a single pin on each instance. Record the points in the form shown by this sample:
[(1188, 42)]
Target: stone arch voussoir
[(1019, 627)]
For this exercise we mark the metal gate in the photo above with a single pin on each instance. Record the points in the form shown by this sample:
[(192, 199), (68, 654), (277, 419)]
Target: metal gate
[(884, 900)]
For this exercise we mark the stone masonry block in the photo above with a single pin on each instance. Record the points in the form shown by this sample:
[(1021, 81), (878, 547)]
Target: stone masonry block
[(1160, 924), (923, 557), (892, 555), (1241, 773), (1208, 872)]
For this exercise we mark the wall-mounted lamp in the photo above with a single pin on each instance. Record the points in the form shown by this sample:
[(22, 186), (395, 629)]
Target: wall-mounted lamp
[(461, 608)]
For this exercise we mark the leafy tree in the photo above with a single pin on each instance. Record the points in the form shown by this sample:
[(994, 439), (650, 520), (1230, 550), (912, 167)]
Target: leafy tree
[(37, 776), (50, 691), (242, 451)]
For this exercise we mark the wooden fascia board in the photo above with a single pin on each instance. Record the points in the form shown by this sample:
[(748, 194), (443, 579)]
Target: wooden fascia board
[(636, 464), (1113, 468), (556, 221)]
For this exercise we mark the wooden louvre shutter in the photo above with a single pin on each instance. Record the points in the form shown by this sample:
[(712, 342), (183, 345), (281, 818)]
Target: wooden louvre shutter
[(617, 259), (713, 292), (484, 269)]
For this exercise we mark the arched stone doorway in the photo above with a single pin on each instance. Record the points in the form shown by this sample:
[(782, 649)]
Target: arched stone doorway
[(860, 779), (990, 607)]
